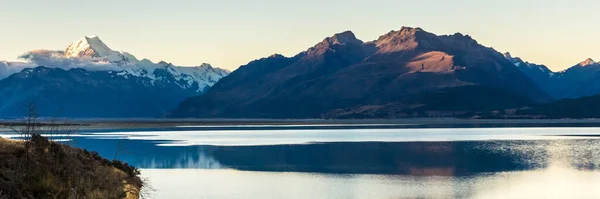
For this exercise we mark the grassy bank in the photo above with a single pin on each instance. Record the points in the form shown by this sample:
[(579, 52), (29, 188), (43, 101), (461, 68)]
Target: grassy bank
[(43, 169)]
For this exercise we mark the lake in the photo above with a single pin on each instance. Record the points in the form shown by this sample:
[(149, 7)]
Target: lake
[(356, 160)]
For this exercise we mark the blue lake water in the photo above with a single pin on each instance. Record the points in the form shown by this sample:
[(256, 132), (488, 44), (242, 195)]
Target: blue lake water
[(357, 161)]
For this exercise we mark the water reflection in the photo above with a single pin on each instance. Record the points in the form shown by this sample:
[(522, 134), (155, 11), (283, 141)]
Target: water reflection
[(403, 158), (197, 160), (417, 158), (552, 182), (539, 168)]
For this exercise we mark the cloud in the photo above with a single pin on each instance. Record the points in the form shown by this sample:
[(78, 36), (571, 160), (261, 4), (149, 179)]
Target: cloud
[(56, 58), (9, 68)]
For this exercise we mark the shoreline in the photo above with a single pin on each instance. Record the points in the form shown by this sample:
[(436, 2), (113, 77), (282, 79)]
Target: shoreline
[(107, 123)]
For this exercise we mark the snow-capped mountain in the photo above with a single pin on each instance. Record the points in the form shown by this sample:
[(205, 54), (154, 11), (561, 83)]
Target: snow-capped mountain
[(94, 49), (526, 66), (89, 79), (580, 80)]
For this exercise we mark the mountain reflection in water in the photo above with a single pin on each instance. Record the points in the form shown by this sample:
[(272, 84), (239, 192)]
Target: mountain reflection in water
[(401, 158), (498, 169), (341, 163)]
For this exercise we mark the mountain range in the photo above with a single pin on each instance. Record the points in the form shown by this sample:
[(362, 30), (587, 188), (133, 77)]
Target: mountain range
[(88, 79), (580, 80), (404, 73)]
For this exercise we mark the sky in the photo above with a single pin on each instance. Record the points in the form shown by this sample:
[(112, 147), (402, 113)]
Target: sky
[(230, 33)]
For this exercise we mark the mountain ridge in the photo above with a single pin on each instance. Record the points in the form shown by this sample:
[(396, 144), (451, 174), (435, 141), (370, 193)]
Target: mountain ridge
[(336, 74), (577, 81)]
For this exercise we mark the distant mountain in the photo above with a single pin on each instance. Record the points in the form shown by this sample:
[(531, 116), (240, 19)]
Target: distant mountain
[(580, 80), (538, 73), (396, 74), (93, 48), (82, 93), (89, 79)]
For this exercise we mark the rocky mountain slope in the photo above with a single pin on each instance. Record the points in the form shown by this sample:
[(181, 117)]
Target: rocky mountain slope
[(396, 74)]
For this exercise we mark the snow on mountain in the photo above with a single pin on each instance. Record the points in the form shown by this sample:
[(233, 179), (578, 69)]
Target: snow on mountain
[(515, 60), (526, 67), (577, 81), (204, 75), (91, 53), (186, 77), (92, 47)]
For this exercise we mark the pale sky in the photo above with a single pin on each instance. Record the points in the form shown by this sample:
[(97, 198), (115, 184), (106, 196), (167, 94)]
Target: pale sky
[(228, 33)]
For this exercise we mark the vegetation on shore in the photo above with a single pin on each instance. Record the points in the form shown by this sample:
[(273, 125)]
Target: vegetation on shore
[(44, 169), (39, 166)]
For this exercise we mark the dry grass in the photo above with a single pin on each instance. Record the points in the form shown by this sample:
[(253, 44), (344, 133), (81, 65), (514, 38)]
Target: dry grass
[(51, 170), (10, 146)]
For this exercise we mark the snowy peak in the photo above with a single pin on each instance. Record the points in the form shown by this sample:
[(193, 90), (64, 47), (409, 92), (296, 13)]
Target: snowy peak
[(87, 47), (92, 54), (534, 71), (93, 47), (587, 62)]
